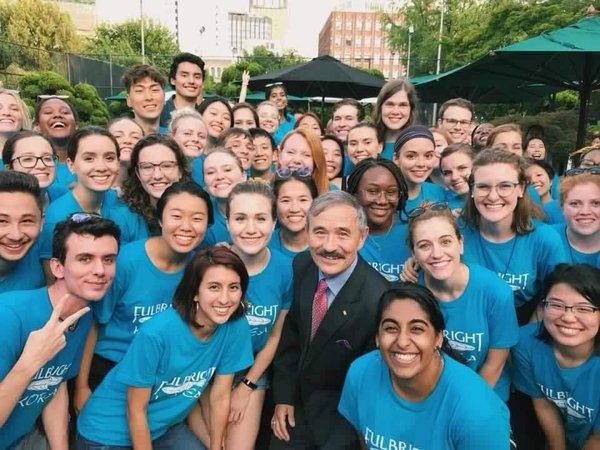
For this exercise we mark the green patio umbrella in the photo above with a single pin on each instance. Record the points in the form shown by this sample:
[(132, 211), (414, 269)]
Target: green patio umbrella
[(566, 58)]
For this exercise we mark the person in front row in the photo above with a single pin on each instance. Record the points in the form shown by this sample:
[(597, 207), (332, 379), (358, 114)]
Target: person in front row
[(144, 400), (332, 321), (557, 360), (412, 393), (44, 330)]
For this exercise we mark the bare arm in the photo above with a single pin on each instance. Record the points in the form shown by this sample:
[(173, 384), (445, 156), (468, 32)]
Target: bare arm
[(220, 395), (82, 387), (55, 417), (593, 441), (244, 90), (491, 369), (551, 422), (137, 404)]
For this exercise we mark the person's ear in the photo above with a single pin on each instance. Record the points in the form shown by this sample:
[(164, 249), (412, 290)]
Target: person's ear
[(57, 268)]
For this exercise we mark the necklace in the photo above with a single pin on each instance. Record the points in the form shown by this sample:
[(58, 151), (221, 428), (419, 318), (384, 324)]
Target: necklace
[(488, 263)]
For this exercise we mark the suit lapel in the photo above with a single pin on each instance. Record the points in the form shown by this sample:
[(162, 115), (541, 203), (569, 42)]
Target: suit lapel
[(306, 295), (343, 308)]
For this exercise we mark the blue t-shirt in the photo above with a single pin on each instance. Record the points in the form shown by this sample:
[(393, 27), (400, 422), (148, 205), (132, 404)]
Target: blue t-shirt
[(388, 150), (483, 317), (454, 200), (429, 192), (133, 226), (23, 312), (460, 413), (166, 357), (268, 293), (275, 243), (63, 176), (139, 290), (553, 212), (575, 391), (55, 191), (285, 126), (197, 169), (523, 262), (26, 274), (387, 252), (575, 256), (217, 232), (61, 209)]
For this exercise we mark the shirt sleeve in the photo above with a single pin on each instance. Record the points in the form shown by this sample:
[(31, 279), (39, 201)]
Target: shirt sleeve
[(348, 406), (140, 364), (11, 345), (237, 354), (522, 368), (552, 252), (502, 319)]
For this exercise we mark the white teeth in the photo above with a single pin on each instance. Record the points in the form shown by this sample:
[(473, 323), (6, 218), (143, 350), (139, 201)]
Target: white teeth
[(221, 309), (405, 357), (494, 206), (568, 331), (58, 125)]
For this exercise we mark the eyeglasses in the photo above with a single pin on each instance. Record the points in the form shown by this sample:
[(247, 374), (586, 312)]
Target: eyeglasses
[(436, 206), (286, 172), (560, 308), (503, 189), (594, 170), (373, 194), (454, 122), (83, 217), (147, 168), (29, 162)]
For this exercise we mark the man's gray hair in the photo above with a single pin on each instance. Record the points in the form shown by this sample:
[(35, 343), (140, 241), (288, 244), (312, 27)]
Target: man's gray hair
[(332, 198)]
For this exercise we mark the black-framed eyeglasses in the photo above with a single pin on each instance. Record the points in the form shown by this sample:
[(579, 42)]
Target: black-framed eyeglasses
[(373, 194), (419, 210), (82, 217), (29, 162), (560, 308), (454, 122), (286, 172), (503, 189), (147, 168), (594, 170)]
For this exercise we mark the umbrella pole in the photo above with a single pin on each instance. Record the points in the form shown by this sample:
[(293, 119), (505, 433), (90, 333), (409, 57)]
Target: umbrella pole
[(322, 107), (584, 99)]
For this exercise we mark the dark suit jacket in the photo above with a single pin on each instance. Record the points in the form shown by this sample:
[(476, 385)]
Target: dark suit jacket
[(311, 374)]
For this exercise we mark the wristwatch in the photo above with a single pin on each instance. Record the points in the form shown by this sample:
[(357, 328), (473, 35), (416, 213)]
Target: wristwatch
[(250, 384)]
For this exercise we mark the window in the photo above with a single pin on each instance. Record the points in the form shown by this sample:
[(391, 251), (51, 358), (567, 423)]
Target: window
[(348, 42), (348, 25)]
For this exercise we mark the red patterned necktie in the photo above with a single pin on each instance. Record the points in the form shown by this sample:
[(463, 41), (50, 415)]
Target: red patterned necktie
[(319, 307)]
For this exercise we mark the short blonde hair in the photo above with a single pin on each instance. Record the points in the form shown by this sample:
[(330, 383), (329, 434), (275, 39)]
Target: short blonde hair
[(183, 113), (23, 109)]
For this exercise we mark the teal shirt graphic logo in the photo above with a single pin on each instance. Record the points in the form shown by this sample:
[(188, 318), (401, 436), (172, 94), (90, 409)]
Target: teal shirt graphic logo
[(44, 385), (189, 386)]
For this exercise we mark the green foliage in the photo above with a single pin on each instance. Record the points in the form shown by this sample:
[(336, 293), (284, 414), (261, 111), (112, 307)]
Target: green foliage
[(261, 60), (32, 31), (90, 107), (123, 43), (375, 72)]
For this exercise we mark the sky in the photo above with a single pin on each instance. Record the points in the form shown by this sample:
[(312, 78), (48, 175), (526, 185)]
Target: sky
[(305, 17)]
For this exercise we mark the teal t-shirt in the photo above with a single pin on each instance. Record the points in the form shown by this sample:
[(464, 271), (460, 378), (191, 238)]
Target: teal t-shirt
[(387, 252), (575, 391), (268, 293), (460, 413), (23, 312), (429, 192), (27, 273), (139, 291), (167, 358), (574, 256), (523, 262)]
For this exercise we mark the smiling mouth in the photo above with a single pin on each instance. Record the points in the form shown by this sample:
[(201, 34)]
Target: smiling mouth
[(568, 331), (59, 125), (405, 358)]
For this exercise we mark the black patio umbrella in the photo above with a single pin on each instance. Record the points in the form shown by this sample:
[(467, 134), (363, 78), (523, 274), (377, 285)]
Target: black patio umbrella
[(323, 77)]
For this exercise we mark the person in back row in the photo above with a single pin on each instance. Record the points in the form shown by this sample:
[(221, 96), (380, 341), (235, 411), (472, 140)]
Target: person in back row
[(186, 76), (43, 331), (21, 215), (145, 96), (456, 117)]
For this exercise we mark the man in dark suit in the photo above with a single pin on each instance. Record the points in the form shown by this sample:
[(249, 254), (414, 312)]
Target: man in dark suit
[(332, 321)]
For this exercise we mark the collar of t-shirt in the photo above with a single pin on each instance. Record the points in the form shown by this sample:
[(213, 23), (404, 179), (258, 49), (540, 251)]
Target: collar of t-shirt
[(336, 282)]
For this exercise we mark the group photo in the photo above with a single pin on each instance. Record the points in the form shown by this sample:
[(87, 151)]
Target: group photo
[(392, 244)]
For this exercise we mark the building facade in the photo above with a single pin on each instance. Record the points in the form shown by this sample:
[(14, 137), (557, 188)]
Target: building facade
[(359, 39)]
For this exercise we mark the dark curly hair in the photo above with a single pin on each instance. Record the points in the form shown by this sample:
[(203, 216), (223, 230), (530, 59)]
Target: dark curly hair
[(134, 193)]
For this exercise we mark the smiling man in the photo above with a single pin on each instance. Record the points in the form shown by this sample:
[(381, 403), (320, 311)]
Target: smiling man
[(42, 334), (332, 322), (456, 117), (145, 96), (186, 76)]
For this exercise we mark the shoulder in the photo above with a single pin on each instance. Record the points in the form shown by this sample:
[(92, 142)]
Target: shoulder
[(366, 366), (374, 280), (279, 262), (61, 207), (488, 280), (302, 262), (131, 252), (544, 232)]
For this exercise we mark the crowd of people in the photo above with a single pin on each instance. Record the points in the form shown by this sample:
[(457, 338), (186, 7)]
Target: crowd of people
[(215, 275)]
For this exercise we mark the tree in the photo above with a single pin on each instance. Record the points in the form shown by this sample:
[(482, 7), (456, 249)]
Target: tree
[(261, 60), (123, 44), (90, 107), (32, 31)]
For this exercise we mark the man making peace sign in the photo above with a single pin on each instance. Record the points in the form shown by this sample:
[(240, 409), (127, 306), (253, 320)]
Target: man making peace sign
[(43, 331)]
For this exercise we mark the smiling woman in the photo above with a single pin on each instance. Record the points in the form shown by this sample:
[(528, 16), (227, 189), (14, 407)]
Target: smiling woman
[(418, 386), (218, 117)]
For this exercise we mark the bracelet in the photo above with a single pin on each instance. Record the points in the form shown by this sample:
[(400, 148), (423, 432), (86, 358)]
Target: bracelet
[(250, 384)]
